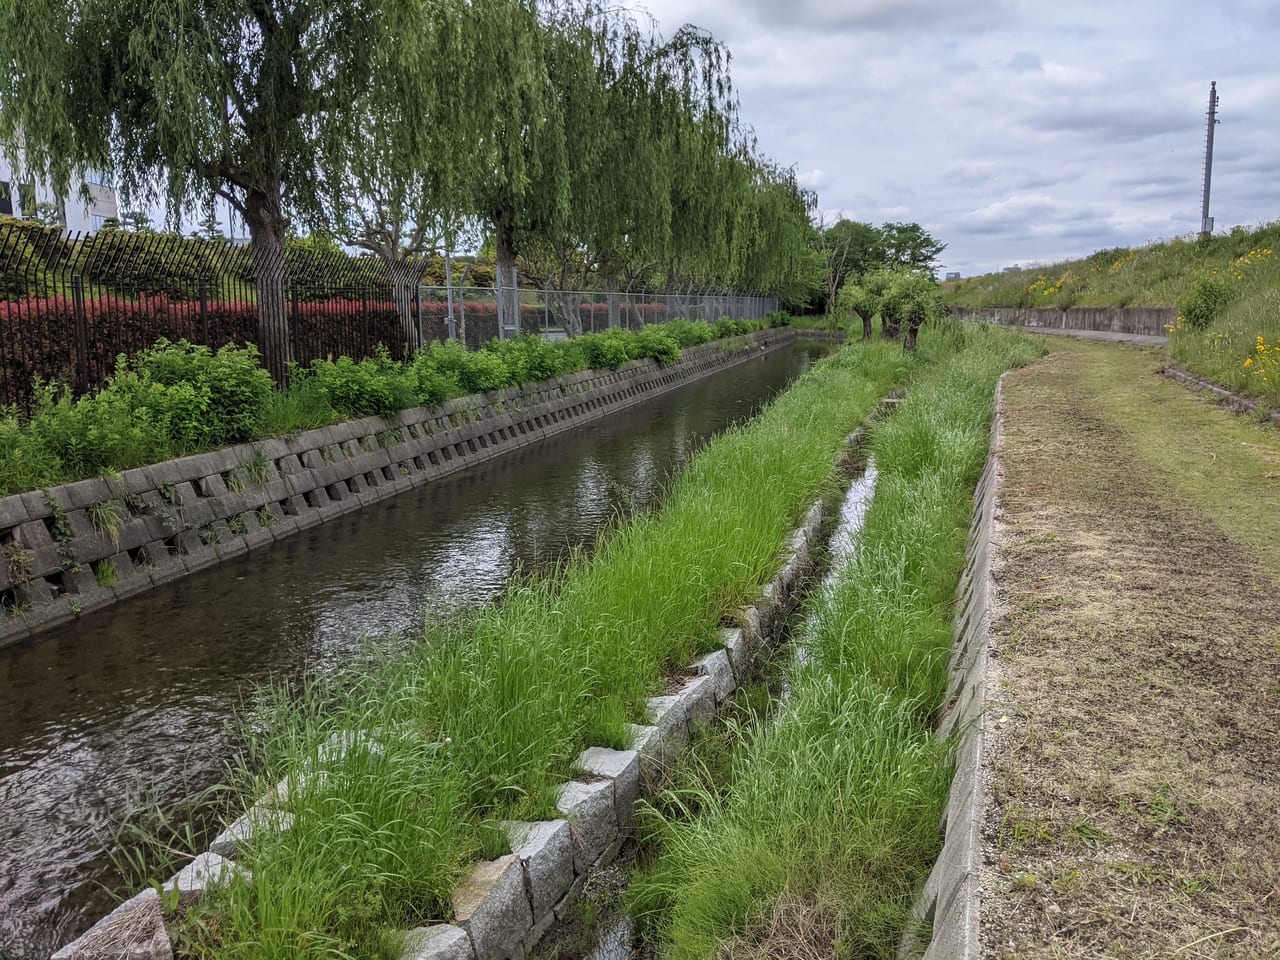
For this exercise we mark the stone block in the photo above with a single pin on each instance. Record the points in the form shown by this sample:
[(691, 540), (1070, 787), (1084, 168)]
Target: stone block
[(36, 505), (82, 493), (132, 931), (623, 768), (699, 699), (12, 512), (443, 941), (546, 851), (230, 843), (206, 871), (740, 658), (491, 905), (593, 819), (719, 670)]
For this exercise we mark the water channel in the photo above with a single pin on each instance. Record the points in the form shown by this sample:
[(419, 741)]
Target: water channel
[(139, 700)]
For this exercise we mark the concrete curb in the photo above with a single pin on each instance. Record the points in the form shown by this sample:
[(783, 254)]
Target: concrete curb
[(505, 906), (1235, 401), (154, 524), (949, 902)]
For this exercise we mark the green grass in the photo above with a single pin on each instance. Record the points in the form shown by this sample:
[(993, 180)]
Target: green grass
[(479, 720), (829, 821), (1236, 275), (1155, 275)]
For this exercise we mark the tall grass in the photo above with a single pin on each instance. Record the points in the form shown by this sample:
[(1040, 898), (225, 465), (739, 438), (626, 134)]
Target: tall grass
[(829, 820), (481, 719), (1155, 275)]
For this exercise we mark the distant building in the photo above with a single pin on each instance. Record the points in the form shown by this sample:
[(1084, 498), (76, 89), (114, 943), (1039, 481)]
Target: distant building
[(22, 199), (953, 275), (1012, 269)]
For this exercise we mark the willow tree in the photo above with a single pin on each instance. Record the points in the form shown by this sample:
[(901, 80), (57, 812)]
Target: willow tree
[(256, 100)]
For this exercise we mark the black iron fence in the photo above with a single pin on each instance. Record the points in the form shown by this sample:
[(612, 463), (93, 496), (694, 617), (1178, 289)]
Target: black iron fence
[(70, 304)]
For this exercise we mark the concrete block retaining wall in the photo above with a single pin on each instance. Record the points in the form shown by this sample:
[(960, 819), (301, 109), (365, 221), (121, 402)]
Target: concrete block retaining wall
[(1234, 401), (72, 549), (948, 904), (1142, 321), (504, 907)]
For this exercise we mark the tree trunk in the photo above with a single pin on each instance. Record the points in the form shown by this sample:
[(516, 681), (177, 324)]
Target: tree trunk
[(866, 326), (913, 327), (508, 302), (265, 218), (404, 275), (890, 327), (611, 295)]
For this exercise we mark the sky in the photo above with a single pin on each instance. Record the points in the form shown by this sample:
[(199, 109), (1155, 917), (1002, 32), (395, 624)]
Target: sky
[(1016, 132)]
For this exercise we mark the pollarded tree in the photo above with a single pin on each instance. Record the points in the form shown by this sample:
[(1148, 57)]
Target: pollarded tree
[(257, 100), (912, 299), (865, 296)]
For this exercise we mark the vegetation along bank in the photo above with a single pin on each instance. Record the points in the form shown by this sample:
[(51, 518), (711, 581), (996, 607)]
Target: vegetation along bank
[(480, 721), (827, 823)]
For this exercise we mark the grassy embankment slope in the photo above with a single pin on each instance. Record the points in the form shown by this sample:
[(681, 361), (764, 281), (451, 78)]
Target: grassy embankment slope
[(1226, 289)]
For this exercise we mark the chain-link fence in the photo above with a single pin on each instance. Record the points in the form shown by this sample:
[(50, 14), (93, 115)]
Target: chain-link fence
[(71, 303)]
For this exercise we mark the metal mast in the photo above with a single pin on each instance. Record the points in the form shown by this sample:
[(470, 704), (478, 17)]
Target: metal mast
[(1206, 221)]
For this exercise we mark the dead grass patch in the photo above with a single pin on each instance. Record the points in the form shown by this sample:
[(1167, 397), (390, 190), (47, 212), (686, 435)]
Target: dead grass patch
[(1135, 782)]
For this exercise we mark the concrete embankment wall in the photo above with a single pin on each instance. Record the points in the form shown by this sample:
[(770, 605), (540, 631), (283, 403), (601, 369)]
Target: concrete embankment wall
[(72, 549), (1143, 321), (948, 905)]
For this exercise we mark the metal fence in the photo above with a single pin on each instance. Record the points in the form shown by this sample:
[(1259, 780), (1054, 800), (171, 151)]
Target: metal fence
[(71, 303)]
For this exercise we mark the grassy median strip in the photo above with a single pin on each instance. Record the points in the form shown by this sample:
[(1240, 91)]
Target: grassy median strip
[(480, 720), (828, 821)]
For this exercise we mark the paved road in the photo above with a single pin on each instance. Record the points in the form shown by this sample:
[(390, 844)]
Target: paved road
[(1100, 335)]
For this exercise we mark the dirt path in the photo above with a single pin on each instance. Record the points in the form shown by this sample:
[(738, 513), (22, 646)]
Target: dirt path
[(1135, 774)]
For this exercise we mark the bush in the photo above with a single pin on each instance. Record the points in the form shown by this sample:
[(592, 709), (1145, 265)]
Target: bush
[(232, 378), (688, 333), (377, 385), (531, 358), (473, 371), (650, 342), (1205, 301), (604, 351)]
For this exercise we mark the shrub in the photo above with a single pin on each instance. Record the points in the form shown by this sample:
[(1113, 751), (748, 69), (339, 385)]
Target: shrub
[(233, 379), (377, 385), (1208, 296), (531, 358), (604, 351), (651, 342), (474, 372)]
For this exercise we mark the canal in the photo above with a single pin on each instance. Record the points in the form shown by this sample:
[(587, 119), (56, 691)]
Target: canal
[(136, 706)]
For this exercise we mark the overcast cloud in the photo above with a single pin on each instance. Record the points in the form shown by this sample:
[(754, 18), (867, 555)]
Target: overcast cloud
[(1014, 131)]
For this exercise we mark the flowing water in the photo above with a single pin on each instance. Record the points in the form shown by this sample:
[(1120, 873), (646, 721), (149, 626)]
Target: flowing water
[(139, 700)]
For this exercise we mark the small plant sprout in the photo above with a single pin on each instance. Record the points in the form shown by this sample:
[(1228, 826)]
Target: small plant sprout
[(106, 518)]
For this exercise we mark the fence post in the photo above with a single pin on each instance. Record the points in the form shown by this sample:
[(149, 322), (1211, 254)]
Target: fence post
[(546, 312), (82, 334), (293, 319), (204, 312), (417, 309), (451, 322)]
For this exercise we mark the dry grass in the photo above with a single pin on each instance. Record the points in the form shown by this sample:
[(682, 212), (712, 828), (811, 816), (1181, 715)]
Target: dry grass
[(1136, 771)]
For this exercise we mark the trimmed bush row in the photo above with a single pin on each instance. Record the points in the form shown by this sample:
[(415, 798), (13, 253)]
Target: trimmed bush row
[(481, 720), (829, 819), (175, 399)]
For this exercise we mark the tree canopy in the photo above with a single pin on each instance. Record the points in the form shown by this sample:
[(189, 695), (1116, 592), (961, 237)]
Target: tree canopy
[(562, 124)]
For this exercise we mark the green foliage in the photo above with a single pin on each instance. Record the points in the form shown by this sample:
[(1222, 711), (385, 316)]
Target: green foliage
[(833, 805), (478, 723), (376, 385), (177, 398), (232, 378), (1206, 300)]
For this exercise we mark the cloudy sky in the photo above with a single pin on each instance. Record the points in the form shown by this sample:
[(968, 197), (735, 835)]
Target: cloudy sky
[(1015, 131)]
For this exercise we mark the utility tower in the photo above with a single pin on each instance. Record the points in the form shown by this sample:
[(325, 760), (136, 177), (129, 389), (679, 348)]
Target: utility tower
[(1206, 221)]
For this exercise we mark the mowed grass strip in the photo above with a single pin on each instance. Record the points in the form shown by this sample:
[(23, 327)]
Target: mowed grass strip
[(828, 822), (1133, 780), (481, 719)]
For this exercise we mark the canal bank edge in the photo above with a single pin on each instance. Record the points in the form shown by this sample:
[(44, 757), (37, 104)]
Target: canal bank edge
[(503, 907), (947, 909), (77, 547)]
